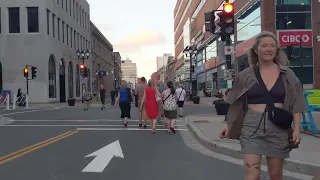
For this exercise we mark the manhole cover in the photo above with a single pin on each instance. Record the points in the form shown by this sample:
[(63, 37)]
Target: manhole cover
[(201, 121)]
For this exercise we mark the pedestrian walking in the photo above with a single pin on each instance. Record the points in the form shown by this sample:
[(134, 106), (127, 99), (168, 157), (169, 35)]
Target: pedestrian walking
[(181, 95), (161, 88), (124, 99), (264, 101), (113, 94), (149, 100), (86, 99), (170, 106), (102, 97), (139, 92)]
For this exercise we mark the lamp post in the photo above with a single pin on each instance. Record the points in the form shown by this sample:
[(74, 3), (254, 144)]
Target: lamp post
[(114, 71), (83, 55), (190, 51)]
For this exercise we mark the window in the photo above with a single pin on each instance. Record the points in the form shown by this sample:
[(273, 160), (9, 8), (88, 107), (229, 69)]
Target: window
[(62, 3), (67, 32), (75, 39), (59, 29), (48, 22), (293, 5), (53, 25), (62, 31), (33, 19), (0, 20), (70, 8), (66, 6), (71, 41), (293, 21), (14, 20)]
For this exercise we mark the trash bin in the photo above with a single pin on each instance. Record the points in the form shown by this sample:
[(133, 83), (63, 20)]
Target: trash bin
[(3, 92)]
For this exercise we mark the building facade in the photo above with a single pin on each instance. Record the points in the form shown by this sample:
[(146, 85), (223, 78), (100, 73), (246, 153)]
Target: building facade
[(102, 60), (170, 71), (155, 77), (117, 68), (44, 34), (163, 60), (288, 19), (129, 72)]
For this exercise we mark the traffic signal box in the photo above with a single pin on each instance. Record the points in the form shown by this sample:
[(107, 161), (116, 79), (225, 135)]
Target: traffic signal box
[(226, 22), (26, 72), (83, 70)]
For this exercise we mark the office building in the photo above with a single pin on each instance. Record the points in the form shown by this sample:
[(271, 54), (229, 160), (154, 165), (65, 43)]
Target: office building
[(163, 60), (295, 20), (117, 68), (44, 34), (129, 72)]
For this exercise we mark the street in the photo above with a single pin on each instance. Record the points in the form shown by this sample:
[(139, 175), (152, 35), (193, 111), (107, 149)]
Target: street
[(69, 143)]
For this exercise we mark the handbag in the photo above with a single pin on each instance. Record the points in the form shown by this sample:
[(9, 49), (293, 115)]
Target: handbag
[(278, 116), (158, 98)]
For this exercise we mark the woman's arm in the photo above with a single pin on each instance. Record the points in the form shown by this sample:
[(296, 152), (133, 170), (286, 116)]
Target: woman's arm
[(143, 100), (117, 98)]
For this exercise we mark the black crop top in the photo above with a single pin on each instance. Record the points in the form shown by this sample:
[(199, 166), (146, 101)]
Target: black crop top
[(255, 94)]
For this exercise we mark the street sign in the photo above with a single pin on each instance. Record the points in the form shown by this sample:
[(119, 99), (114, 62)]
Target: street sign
[(293, 37), (103, 156), (228, 50)]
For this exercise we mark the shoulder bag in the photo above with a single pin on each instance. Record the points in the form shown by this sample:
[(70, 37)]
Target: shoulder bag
[(278, 116)]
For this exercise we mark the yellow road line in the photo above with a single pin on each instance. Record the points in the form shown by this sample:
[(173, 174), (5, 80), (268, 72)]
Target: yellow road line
[(34, 147)]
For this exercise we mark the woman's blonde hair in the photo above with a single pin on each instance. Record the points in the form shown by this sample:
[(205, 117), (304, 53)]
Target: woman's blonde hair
[(280, 58), (151, 83), (124, 84)]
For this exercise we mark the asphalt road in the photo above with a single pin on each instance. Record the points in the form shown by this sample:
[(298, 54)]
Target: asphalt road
[(60, 140)]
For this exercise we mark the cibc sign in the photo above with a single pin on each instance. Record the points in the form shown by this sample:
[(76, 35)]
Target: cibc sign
[(294, 37)]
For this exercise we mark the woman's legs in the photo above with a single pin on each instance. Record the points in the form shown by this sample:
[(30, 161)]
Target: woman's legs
[(252, 165), (168, 121), (275, 168)]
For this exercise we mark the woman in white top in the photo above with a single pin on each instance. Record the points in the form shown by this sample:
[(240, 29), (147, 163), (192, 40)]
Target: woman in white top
[(170, 106)]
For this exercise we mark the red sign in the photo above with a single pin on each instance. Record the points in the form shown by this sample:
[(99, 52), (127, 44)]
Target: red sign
[(293, 37)]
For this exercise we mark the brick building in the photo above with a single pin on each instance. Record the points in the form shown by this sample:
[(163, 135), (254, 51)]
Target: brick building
[(289, 19)]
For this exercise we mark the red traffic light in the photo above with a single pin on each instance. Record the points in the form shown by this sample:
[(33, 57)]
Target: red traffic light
[(82, 66), (228, 8), (25, 70)]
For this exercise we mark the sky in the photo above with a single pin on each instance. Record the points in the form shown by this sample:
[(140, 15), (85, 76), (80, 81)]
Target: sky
[(140, 30)]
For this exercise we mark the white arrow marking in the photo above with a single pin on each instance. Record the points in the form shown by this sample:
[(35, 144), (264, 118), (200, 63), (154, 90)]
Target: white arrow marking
[(103, 156)]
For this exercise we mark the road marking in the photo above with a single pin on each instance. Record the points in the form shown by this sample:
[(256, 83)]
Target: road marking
[(86, 120), (125, 129), (20, 112), (103, 157), (34, 147), (73, 125)]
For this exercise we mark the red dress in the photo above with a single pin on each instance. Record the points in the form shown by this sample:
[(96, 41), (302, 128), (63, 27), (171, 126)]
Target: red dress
[(151, 103)]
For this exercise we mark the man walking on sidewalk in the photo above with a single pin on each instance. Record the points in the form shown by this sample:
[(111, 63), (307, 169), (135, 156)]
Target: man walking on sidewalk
[(139, 91), (102, 97)]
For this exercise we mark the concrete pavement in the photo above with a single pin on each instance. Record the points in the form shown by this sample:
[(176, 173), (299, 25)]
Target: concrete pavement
[(207, 127), (53, 144)]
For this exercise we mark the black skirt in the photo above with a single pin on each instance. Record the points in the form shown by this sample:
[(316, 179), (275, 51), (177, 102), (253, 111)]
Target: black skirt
[(125, 108)]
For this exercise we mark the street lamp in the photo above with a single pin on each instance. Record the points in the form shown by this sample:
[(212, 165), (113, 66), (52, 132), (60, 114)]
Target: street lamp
[(190, 51)]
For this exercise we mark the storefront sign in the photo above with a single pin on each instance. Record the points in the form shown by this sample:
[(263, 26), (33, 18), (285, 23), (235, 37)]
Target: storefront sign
[(293, 37)]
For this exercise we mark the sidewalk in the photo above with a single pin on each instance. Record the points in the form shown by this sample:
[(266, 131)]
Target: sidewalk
[(206, 128), (207, 101)]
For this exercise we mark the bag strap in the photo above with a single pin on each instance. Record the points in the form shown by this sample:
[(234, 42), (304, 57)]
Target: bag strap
[(166, 97), (180, 94), (267, 94)]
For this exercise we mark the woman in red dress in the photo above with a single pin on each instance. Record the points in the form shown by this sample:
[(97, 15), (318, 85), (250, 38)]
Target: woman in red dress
[(151, 105)]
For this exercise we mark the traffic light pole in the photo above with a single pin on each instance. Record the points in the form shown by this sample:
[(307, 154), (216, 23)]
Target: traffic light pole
[(228, 62)]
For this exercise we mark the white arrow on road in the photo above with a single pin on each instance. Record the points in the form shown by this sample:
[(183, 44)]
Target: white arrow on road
[(103, 156)]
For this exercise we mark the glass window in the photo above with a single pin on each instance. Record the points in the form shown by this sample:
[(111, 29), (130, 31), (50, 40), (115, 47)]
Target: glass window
[(14, 20), (71, 41), (58, 28), (293, 5), (293, 21), (63, 31), (53, 25), (211, 50), (48, 22), (67, 33), (249, 26), (306, 54), (0, 20), (33, 19), (304, 74)]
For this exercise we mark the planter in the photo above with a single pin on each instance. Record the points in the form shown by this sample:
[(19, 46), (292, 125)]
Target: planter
[(221, 107), (71, 102), (196, 100)]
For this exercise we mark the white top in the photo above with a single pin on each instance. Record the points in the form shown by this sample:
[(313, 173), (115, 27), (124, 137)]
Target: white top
[(182, 92), (170, 103)]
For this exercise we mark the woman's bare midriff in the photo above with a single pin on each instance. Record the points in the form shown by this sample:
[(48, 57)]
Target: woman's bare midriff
[(261, 107)]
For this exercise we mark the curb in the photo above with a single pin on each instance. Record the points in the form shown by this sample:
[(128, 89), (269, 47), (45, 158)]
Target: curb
[(5, 120), (223, 148)]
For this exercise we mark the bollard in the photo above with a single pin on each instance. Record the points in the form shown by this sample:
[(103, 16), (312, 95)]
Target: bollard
[(27, 101), (8, 102), (14, 101)]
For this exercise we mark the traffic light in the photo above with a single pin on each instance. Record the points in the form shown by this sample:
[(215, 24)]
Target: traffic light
[(33, 72), (26, 72), (226, 20), (192, 68), (83, 70), (210, 24), (290, 53)]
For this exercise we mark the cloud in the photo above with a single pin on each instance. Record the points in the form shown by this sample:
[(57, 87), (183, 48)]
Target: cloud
[(134, 42)]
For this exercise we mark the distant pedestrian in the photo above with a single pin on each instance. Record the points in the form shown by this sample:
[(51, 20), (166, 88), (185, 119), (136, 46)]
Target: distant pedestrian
[(170, 106), (113, 94), (102, 97), (139, 92), (86, 99), (124, 99), (149, 99), (181, 95)]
